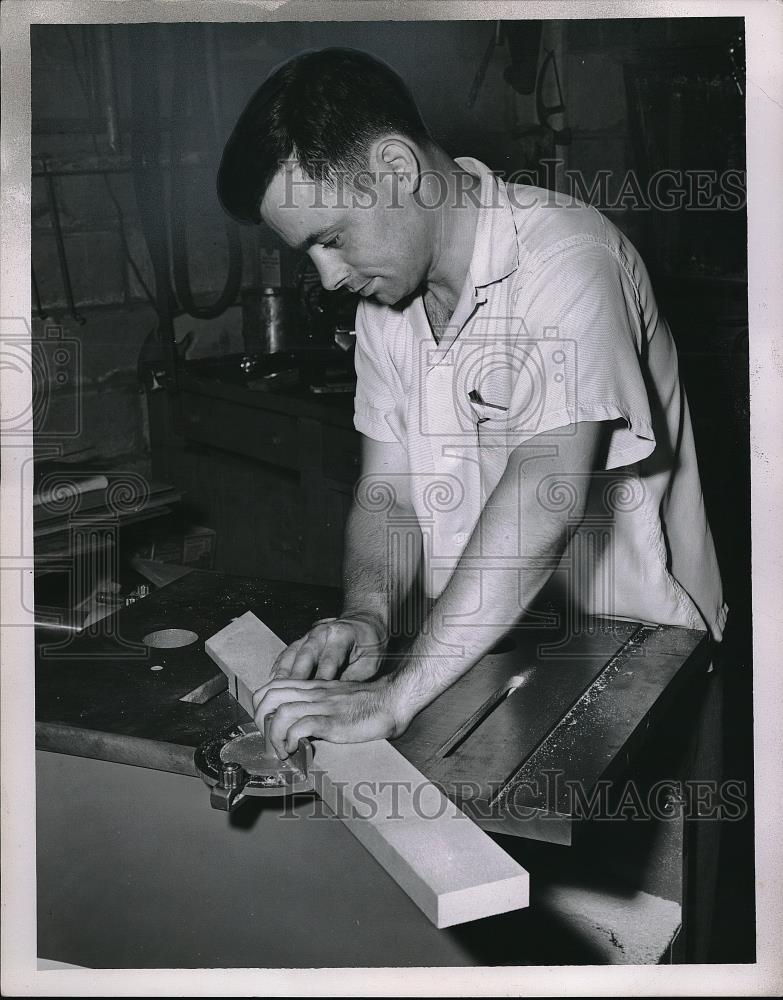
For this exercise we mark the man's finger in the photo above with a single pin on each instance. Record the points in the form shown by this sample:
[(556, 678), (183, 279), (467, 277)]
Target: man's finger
[(327, 650), (333, 658), (291, 686), (309, 727), (309, 653), (282, 665), (335, 720), (361, 670), (284, 718)]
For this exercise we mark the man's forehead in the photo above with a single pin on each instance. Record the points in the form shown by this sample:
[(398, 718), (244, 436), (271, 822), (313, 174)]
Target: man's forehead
[(299, 206)]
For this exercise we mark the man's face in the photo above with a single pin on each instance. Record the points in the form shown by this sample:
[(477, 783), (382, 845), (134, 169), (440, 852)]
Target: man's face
[(374, 242)]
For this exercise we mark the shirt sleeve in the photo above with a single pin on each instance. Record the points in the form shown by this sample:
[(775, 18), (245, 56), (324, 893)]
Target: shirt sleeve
[(374, 404), (577, 353)]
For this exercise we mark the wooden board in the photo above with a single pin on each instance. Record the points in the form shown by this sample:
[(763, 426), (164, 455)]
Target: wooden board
[(451, 869), (245, 651)]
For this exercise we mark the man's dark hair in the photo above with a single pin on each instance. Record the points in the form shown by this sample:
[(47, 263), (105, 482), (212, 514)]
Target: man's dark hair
[(325, 108)]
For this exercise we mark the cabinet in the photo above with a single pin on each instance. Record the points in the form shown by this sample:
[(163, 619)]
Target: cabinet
[(272, 474)]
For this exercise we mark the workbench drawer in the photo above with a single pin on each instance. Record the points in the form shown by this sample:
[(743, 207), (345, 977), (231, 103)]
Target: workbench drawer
[(244, 430)]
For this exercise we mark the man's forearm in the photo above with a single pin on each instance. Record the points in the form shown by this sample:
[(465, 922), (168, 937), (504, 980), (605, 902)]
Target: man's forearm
[(485, 592), (513, 550), (446, 648), (382, 555)]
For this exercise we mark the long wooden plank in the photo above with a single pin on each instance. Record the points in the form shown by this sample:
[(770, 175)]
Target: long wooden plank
[(449, 867)]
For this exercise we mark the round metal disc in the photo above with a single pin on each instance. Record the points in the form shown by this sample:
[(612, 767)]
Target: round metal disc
[(268, 775)]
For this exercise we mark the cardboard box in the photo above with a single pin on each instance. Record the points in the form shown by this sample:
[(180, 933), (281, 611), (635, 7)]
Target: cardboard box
[(194, 546)]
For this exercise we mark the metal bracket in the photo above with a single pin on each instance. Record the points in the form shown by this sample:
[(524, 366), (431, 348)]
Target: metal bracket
[(237, 764)]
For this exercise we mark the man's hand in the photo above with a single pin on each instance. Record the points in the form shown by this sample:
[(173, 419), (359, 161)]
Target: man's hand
[(349, 647), (337, 711)]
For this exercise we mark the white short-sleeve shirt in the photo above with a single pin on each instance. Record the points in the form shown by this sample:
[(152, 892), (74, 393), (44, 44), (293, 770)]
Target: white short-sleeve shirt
[(556, 324)]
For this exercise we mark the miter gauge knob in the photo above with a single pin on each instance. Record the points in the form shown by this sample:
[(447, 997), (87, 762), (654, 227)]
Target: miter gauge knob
[(232, 776)]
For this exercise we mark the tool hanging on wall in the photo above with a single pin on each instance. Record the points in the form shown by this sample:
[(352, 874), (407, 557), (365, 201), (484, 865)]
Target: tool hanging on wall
[(544, 112), (524, 40), (481, 72), (524, 43), (107, 88)]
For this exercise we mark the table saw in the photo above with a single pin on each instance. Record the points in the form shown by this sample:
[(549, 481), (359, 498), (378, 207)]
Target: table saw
[(136, 870)]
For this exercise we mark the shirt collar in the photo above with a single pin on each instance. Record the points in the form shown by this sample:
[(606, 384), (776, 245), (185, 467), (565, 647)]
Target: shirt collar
[(496, 247)]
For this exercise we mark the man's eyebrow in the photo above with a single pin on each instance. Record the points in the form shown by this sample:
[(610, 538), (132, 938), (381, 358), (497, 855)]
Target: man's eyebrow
[(314, 238)]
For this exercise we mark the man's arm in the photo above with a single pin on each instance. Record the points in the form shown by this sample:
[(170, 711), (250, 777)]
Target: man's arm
[(372, 585), (489, 596), (513, 520)]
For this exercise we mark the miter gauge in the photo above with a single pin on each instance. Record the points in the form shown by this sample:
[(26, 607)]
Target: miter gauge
[(241, 762)]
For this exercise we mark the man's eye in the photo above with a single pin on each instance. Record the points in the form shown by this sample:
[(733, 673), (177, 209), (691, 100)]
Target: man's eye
[(333, 242)]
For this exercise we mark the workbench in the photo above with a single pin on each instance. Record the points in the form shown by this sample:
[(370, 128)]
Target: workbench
[(135, 870)]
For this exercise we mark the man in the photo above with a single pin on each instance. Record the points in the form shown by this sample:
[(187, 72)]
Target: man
[(517, 394)]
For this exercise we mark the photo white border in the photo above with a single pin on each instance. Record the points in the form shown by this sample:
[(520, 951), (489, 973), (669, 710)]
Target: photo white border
[(20, 977)]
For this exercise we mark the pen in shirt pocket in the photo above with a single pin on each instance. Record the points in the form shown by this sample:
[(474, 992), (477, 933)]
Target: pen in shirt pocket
[(475, 397)]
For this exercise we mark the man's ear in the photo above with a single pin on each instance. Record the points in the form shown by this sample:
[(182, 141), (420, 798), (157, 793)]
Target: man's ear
[(395, 155)]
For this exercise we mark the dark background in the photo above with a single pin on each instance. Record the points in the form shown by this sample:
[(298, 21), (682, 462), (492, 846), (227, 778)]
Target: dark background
[(640, 95)]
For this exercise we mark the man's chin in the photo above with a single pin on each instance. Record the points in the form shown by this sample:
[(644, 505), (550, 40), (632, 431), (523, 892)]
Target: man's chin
[(382, 296), (398, 301), (388, 296)]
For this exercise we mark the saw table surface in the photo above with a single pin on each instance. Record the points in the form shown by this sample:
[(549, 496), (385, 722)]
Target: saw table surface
[(546, 704), (99, 694)]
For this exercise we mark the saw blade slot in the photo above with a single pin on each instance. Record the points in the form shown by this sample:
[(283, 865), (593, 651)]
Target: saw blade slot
[(207, 691), (480, 716)]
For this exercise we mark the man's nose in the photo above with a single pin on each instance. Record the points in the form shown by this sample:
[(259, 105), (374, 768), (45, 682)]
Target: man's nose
[(332, 272)]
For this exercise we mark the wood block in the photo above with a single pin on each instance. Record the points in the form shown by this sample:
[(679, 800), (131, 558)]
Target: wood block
[(451, 869), (245, 651)]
